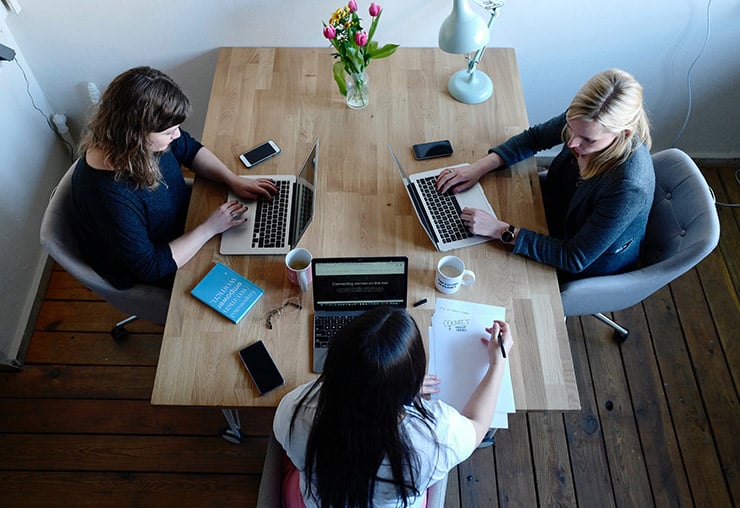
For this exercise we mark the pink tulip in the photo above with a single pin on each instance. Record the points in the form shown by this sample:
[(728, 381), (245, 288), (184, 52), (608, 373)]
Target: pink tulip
[(329, 32), (374, 9), (361, 38), (352, 5)]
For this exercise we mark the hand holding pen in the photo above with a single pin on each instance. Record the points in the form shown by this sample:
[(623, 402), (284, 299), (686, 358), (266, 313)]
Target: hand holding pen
[(500, 336)]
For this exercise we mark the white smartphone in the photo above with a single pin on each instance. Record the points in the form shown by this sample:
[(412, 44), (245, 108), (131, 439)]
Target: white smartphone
[(261, 367), (260, 153)]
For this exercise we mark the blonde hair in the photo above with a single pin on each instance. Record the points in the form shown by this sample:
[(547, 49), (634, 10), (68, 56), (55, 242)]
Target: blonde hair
[(613, 98), (137, 103)]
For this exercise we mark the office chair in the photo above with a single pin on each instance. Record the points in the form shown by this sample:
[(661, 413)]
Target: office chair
[(271, 495), (59, 239), (682, 229)]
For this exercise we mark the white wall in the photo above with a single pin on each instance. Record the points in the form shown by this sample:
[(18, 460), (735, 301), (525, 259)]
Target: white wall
[(31, 162), (559, 45)]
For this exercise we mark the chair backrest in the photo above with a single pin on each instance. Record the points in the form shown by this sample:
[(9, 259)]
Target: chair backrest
[(60, 241), (683, 228), (271, 483)]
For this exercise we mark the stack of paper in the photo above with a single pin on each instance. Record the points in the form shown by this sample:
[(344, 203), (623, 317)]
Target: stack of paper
[(459, 358)]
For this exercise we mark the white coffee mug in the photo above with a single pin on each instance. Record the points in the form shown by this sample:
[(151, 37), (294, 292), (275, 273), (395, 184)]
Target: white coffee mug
[(298, 263), (451, 274)]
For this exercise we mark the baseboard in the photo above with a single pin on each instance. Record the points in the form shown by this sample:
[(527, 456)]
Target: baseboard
[(17, 363)]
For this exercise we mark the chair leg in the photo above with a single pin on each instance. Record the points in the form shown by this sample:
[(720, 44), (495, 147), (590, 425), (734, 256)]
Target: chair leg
[(119, 332), (620, 333)]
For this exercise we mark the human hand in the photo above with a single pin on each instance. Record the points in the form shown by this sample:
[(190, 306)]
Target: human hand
[(226, 216), (497, 347), (429, 386), (460, 178), (482, 223), (253, 188)]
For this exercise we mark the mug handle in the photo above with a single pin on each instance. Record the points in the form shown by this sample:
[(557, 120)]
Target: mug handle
[(303, 280), (468, 277)]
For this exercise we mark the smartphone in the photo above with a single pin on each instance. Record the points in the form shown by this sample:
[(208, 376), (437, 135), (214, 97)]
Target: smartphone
[(261, 367), (260, 153), (432, 149)]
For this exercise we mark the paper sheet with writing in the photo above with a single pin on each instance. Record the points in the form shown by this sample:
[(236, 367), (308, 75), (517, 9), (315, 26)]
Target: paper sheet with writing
[(460, 359)]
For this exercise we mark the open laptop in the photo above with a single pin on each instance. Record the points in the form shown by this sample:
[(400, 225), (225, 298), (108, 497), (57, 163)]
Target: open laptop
[(439, 214), (275, 226), (344, 288)]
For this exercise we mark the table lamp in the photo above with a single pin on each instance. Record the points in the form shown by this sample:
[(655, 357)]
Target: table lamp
[(463, 31)]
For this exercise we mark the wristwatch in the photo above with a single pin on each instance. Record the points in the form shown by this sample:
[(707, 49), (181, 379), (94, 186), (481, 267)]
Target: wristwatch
[(508, 235)]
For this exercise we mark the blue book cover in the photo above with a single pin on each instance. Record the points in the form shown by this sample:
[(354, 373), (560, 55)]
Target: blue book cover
[(227, 292)]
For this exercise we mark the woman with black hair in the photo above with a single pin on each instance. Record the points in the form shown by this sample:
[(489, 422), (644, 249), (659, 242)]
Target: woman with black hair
[(362, 434)]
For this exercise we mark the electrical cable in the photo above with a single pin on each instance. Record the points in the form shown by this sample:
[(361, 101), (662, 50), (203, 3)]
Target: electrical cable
[(46, 118), (690, 101), (688, 76)]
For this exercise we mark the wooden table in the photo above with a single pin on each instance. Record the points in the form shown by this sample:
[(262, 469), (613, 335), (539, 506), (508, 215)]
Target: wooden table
[(289, 95)]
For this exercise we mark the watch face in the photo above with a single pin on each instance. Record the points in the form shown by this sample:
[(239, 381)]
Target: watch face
[(508, 235)]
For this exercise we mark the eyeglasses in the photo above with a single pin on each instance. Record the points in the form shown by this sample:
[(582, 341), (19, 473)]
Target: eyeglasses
[(289, 306)]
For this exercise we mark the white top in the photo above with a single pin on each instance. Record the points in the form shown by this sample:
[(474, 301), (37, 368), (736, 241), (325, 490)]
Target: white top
[(454, 433)]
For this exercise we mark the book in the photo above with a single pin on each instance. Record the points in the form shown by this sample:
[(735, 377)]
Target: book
[(227, 292), (459, 358)]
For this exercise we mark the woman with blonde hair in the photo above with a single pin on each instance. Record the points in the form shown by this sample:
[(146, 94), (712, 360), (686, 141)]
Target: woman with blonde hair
[(598, 190), (128, 192)]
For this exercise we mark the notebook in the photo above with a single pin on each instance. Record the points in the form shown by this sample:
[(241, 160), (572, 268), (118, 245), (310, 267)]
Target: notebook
[(344, 288), (275, 226), (439, 214)]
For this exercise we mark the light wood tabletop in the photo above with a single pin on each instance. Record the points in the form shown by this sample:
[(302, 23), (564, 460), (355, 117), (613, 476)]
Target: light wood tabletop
[(289, 95)]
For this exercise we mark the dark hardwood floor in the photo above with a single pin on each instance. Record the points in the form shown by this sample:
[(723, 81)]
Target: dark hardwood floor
[(659, 425)]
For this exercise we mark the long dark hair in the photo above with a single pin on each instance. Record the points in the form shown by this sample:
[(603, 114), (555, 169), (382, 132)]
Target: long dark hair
[(137, 102), (374, 369)]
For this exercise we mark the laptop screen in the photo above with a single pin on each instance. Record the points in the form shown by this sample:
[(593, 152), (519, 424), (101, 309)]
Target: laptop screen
[(303, 197), (359, 283)]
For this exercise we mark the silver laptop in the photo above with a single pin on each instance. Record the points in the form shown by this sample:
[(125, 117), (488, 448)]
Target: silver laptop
[(439, 214), (275, 226), (344, 288)]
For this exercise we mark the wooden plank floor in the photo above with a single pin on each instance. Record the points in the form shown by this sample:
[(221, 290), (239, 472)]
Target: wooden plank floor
[(659, 425)]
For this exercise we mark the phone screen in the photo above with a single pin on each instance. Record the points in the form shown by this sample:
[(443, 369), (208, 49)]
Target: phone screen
[(261, 367), (259, 153), (432, 149)]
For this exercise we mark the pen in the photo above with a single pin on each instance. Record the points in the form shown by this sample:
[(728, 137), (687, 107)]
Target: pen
[(501, 343), (420, 302)]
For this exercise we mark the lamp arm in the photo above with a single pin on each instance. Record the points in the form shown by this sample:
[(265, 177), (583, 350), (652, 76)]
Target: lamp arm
[(478, 55)]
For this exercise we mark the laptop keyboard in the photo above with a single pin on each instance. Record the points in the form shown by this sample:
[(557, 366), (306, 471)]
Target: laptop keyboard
[(326, 326), (270, 221), (445, 211)]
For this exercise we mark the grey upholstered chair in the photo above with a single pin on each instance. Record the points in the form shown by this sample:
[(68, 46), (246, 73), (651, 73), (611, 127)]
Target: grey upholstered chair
[(59, 239), (270, 494), (683, 228)]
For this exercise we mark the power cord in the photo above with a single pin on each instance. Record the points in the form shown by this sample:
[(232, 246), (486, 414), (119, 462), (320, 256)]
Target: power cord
[(690, 102), (688, 76), (69, 146)]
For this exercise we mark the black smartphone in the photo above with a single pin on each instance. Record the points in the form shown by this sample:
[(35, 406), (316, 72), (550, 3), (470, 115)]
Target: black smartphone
[(432, 149), (260, 153), (261, 367)]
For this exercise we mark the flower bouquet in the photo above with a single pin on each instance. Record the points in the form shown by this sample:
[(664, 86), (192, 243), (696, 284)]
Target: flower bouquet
[(354, 49)]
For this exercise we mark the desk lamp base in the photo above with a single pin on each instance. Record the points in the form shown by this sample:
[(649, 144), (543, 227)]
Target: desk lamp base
[(470, 87)]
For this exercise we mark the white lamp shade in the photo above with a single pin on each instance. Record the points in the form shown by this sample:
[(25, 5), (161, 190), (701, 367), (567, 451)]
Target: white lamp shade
[(463, 30)]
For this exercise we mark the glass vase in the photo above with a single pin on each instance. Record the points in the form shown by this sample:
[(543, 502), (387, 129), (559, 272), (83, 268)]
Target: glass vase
[(358, 90)]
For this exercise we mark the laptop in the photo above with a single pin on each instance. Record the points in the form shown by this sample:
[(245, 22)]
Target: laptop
[(275, 226), (344, 288), (439, 214)]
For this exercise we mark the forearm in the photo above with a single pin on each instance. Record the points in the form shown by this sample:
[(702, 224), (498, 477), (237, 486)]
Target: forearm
[(482, 403), (207, 165), (186, 246)]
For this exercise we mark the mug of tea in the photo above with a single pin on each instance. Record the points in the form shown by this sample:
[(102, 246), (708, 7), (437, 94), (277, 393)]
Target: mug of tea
[(298, 263), (451, 274)]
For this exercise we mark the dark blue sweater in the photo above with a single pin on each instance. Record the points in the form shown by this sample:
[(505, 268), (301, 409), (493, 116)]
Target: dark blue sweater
[(596, 225), (125, 231)]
